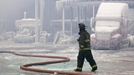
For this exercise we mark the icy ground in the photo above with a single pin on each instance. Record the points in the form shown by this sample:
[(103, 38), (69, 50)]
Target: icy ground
[(110, 62)]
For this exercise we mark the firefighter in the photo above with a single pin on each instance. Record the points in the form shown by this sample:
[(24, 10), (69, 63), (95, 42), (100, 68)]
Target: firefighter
[(84, 50)]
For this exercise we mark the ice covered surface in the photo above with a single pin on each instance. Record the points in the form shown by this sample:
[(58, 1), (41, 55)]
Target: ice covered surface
[(108, 16), (110, 62), (110, 21), (105, 29), (113, 10), (30, 22)]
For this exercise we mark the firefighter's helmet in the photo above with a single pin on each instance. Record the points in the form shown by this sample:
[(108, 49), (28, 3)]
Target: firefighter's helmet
[(81, 25)]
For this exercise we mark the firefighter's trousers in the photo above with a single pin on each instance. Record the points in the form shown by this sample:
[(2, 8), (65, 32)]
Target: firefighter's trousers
[(89, 57)]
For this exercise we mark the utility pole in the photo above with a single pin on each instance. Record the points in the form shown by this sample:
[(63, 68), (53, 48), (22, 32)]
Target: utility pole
[(63, 20), (71, 21), (36, 9), (37, 19), (42, 4)]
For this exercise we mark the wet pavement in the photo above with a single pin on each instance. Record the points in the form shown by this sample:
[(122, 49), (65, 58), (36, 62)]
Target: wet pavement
[(110, 62)]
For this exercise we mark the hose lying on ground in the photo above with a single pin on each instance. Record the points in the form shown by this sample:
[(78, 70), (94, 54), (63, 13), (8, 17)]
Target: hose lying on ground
[(27, 67)]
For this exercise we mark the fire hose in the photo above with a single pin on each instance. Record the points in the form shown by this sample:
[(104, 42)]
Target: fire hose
[(27, 67)]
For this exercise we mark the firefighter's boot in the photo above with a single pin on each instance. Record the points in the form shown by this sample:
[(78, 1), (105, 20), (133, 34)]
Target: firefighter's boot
[(78, 69), (94, 68)]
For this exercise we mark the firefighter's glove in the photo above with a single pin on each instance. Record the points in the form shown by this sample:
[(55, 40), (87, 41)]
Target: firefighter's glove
[(87, 40), (81, 46), (78, 40)]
